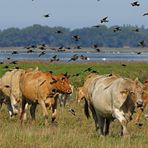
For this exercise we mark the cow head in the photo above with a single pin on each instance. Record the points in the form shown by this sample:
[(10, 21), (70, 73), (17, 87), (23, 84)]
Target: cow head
[(136, 93), (80, 94), (61, 83)]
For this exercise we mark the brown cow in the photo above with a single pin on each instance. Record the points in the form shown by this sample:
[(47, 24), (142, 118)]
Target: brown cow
[(145, 99), (40, 86)]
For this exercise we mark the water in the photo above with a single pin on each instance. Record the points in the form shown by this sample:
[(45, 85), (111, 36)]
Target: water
[(65, 56)]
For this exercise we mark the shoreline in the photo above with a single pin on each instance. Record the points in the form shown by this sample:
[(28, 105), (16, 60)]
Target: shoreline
[(83, 49)]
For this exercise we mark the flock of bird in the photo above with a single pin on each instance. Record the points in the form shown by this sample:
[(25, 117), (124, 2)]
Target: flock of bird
[(76, 38)]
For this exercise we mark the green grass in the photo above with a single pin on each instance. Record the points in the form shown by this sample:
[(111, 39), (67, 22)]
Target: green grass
[(72, 131)]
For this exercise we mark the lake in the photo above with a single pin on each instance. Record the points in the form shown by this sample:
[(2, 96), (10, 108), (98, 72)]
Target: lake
[(65, 56)]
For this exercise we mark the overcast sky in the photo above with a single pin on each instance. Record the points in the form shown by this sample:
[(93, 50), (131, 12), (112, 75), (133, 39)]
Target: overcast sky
[(71, 13)]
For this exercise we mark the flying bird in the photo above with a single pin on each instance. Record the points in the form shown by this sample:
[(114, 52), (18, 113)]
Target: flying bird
[(72, 111), (84, 57), (136, 30), (13, 62), (15, 52), (16, 67), (124, 65), (77, 47), (138, 52), (46, 15), (42, 48), (116, 29), (42, 53), (30, 51), (104, 20), (74, 57), (6, 67), (58, 31), (33, 46), (95, 46), (96, 26), (135, 4), (141, 43), (76, 37), (54, 58), (75, 75), (88, 69), (98, 50), (145, 14)]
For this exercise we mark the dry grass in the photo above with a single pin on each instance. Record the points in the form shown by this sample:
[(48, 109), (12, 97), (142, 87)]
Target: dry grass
[(73, 131), (70, 132)]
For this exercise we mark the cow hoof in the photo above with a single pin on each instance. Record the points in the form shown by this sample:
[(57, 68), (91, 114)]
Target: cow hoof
[(126, 136), (102, 136), (54, 124)]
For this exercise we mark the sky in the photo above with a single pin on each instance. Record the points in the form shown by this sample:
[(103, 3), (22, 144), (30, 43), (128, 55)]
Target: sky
[(71, 13)]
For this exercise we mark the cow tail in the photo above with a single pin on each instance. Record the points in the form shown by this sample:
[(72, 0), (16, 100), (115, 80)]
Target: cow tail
[(86, 109)]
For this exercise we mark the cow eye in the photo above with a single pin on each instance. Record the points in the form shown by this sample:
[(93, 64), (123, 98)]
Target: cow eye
[(132, 93), (63, 78)]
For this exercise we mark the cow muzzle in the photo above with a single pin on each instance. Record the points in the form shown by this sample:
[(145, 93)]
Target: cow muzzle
[(139, 103), (15, 109)]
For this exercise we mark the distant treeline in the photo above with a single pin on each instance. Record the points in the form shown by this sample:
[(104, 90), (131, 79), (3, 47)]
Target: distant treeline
[(58, 36)]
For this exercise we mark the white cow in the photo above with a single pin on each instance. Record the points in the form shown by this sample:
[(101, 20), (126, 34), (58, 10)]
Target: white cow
[(111, 97)]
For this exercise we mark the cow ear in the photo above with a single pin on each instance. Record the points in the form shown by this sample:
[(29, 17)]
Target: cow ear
[(66, 75), (54, 80), (53, 77)]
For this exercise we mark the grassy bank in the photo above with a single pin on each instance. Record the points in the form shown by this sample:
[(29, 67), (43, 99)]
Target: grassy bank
[(72, 131)]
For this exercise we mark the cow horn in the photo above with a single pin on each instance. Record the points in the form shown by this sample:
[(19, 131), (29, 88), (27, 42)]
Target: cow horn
[(136, 80)]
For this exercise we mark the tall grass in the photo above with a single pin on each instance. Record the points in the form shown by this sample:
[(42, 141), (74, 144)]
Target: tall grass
[(72, 131)]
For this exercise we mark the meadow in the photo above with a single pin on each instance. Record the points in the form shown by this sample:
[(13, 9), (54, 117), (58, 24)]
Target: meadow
[(73, 131)]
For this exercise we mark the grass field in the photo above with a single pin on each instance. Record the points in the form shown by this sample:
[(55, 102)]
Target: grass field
[(73, 131)]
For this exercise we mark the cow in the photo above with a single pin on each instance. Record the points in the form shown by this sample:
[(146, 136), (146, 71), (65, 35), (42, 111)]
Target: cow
[(82, 91), (9, 89), (64, 97), (145, 99), (38, 87), (60, 97), (111, 97)]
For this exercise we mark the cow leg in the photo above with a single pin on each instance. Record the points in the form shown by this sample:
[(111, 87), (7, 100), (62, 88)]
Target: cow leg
[(60, 100), (7, 101), (65, 96), (45, 113), (54, 110), (23, 109), (106, 126), (101, 123), (94, 116), (32, 110), (120, 116), (10, 109), (14, 104), (139, 113)]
